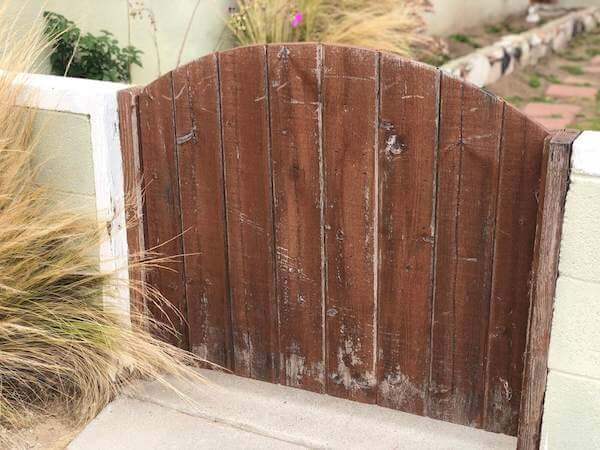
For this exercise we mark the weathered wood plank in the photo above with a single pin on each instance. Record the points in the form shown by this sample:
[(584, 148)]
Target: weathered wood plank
[(294, 89), (471, 122), (408, 135), (350, 124), (200, 165), (520, 165), (162, 222), (245, 119), (553, 191), (132, 174)]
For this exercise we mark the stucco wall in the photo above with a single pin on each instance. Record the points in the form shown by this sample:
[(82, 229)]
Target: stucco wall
[(63, 157), (78, 154), (451, 16), (572, 405)]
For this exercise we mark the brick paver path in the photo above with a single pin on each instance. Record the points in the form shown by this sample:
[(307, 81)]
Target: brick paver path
[(563, 113)]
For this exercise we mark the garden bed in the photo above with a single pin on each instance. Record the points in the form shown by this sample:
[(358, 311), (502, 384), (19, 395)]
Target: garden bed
[(489, 64)]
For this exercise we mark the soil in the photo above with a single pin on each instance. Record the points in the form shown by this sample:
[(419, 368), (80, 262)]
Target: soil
[(51, 433), (529, 84)]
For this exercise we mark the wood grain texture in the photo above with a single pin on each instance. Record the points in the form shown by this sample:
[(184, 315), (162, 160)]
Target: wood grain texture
[(408, 135), (162, 222), (354, 224), (471, 123), (132, 174), (200, 166), (294, 91), (516, 216), (553, 191), (350, 86), (245, 119)]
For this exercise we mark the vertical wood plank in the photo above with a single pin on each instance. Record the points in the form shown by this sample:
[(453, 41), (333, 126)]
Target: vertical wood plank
[(198, 131), (553, 191), (408, 136), (294, 91), (522, 144), (468, 182), (350, 124), (245, 118), (132, 173), (162, 222)]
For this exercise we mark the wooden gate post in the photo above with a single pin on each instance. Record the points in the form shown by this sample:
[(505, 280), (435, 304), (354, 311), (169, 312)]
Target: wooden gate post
[(552, 197)]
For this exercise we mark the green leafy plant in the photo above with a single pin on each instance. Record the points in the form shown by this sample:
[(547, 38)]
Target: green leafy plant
[(86, 55)]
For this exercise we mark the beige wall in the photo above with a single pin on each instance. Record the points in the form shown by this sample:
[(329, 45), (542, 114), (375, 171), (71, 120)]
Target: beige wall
[(452, 16), (63, 155), (570, 3), (572, 406)]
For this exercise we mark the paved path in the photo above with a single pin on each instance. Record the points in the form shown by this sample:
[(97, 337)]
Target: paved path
[(564, 110), (230, 412)]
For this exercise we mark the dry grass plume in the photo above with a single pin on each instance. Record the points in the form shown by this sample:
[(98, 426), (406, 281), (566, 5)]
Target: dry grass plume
[(392, 25), (61, 348)]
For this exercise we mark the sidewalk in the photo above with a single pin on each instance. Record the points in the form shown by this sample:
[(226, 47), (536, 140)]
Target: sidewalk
[(232, 412)]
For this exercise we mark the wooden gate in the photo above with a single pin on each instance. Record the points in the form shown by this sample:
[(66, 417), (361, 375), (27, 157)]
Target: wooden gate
[(353, 223)]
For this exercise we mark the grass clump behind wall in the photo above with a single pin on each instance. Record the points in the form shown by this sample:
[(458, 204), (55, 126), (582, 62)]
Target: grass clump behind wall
[(393, 25), (62, 349)]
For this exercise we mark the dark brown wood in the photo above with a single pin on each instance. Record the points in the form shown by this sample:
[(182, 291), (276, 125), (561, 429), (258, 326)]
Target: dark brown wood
[(350, 86), (294, 90), (248, 187), (162, 223), (408, 135), (553, 191), (470, 130), (353, 223), (200, 167), (132, 182), (513, 254)]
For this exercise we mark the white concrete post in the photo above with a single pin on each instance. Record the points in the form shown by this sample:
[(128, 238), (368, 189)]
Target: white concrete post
[(572, 405)]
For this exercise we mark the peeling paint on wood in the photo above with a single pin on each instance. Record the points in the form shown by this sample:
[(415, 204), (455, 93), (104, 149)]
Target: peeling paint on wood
[(354, 224)]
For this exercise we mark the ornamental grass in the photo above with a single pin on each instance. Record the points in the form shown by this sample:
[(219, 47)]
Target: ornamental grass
[(392, 25), (64, 348)]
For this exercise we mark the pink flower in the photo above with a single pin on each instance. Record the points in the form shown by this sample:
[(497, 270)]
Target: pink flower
[(296, 19)]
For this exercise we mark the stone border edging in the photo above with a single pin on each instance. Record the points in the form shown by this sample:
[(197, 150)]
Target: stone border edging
[(487, 65)]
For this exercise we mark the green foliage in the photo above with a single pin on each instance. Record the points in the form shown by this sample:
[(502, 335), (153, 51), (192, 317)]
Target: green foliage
[(535, 81), (463, 38), (516, 100), (572, 70), (494, 29), (87, 55)]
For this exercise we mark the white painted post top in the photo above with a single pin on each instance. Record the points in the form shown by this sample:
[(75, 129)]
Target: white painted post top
[(586, 154)]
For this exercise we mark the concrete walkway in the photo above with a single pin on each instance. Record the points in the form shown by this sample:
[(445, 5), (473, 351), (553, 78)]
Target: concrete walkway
[(229, 412), (559, 115)]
